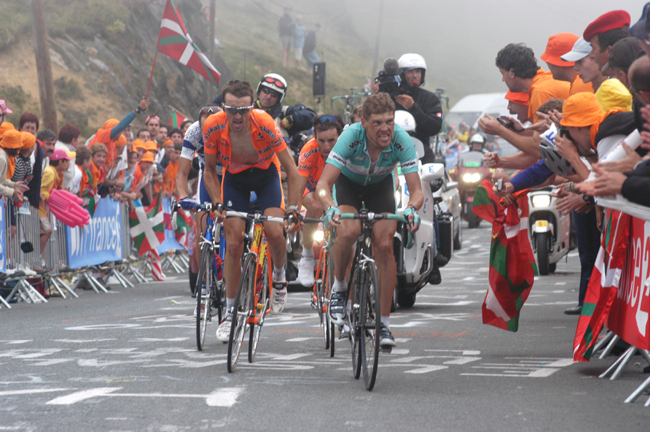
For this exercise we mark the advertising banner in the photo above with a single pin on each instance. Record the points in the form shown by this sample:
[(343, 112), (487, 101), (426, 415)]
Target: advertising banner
[(628, 316), (99, 241)]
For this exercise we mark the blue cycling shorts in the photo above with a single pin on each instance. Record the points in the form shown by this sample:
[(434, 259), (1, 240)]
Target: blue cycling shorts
[(236, 189)]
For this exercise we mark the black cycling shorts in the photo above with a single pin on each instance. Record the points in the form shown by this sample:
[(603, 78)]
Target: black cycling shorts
[(236, 188), (378, 197)]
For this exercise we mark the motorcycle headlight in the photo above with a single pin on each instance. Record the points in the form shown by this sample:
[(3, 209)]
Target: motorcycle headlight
[(541, 200), (471, 177), (318, 236)]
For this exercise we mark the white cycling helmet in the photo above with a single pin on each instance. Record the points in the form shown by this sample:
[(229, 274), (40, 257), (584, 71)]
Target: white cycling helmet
[(405, 120), (413, 61), (477, 138), (275, 82)]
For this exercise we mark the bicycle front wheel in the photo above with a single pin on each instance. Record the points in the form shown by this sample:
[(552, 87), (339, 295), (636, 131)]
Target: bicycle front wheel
[(202, 290), (369, 318), (355, 322), (261, 307), (241, 311)]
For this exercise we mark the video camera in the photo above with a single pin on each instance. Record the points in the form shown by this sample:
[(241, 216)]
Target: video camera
[(389, 79)]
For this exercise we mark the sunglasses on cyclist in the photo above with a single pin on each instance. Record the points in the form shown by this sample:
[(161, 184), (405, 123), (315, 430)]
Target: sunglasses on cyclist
[(327, 119), (268, 91), (237, 110), (276, 82)]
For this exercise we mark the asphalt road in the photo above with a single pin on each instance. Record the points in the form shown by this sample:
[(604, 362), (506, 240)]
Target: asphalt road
[(127, 361)]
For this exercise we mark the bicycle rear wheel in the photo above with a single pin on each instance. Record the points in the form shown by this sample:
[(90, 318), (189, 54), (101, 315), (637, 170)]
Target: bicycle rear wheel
[(203, 302), (260, 308), (241, 311), (369, 319)]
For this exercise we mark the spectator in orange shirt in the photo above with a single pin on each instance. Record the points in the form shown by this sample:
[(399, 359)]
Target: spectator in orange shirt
[(562, 70)]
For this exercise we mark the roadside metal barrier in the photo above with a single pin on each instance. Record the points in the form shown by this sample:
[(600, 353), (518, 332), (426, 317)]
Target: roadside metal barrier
[(72, 256)]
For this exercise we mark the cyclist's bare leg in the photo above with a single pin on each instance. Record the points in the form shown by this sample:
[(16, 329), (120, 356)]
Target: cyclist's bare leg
[(234, 228), (382, 248), (314, 210), (275, 235), (346, 233)]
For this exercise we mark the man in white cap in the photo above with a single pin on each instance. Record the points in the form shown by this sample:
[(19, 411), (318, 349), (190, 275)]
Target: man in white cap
[(610, 92)]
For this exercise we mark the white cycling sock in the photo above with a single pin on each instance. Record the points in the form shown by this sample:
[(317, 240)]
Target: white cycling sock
[(230, 303), (279, 274), (385, 320), (308, 253), (339, 286)]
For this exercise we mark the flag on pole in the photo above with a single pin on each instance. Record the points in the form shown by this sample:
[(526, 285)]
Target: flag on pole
[(512, 263), (175, 42), (153, 259), (183, 225), (603, 284), (177, 119), (147, 226)]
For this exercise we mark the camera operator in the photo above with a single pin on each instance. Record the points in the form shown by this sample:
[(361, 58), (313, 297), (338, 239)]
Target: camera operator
[(405, 90)]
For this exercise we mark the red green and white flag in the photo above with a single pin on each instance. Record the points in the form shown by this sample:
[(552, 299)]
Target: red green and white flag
[(183, 224), (177, 119), (603, 284), (153, 259), (147, 226), (512, 263), (175, 42)]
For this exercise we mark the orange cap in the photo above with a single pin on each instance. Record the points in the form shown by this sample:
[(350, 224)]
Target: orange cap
[(520, 98), (138, 143), (12, 139), (120, 141), (167, 143), (5, 127), (558, 45), (28, 140), (581, 110), (150, 146), (148, 157), (110, 124)]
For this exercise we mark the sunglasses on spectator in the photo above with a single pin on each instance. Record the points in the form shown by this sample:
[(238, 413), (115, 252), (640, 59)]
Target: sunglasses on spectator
[(268, 91), (237, 110), (276, 82), (327, 119)]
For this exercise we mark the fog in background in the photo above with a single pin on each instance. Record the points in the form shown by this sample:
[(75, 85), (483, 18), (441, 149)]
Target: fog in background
[(460, 39)]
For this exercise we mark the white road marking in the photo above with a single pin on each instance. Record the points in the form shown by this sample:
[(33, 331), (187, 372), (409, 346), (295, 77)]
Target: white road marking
[(224, 397), (31, 391), (16, 342), (302, 339), (83, 341), (82, 395)]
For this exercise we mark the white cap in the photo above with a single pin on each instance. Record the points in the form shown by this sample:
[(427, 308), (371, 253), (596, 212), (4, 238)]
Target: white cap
[(580, 50)]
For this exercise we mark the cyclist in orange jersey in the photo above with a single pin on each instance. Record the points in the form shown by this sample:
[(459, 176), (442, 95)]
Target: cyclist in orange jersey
[(250, 147), (327, 129)]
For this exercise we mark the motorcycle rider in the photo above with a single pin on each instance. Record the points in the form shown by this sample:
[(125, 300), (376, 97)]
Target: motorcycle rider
[(422, 104), (477, 143)]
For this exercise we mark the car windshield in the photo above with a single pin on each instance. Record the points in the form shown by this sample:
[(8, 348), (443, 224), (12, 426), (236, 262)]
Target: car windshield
[(471, 159), (454, 118)]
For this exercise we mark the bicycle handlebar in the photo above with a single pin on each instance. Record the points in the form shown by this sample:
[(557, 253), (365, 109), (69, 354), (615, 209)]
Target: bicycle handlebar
[(370, 216)]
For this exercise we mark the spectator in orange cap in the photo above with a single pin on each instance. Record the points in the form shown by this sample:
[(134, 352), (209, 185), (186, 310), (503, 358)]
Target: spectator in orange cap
[(562, 70), (10, 145), (139, 147), (604, 32)]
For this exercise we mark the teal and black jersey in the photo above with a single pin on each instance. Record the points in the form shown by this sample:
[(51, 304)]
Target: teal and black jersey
[(350, 155)]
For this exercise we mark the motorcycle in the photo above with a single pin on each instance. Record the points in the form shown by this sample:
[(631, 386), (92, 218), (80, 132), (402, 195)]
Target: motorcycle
[(414, 253), (469, 173), (549, 231)]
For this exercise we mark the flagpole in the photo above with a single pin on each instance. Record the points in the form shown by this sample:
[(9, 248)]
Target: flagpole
[(151, 76)]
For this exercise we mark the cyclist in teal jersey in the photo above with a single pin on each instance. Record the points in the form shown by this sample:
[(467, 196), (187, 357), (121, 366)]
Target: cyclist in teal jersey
[(360, 168)]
